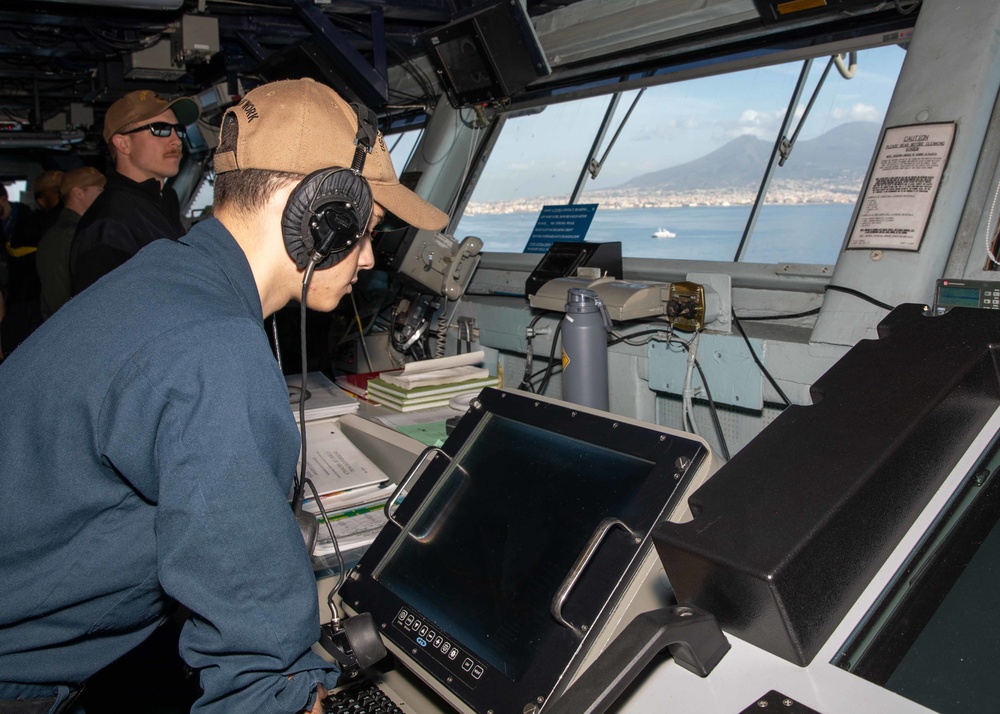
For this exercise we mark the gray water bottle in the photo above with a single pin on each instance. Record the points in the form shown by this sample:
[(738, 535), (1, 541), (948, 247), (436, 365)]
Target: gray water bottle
[(585, 349)]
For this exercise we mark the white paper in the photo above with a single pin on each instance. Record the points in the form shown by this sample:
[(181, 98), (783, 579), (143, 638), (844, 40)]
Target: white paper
[(334, 463), (324, 399), (437, 377), (422, 416), (428, 365)]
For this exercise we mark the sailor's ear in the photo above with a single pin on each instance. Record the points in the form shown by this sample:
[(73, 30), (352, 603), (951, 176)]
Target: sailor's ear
[(122, 143)]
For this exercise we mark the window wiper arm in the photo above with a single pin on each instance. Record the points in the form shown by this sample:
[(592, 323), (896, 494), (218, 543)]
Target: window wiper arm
[(847, 72), (592, 165), (783, 146)]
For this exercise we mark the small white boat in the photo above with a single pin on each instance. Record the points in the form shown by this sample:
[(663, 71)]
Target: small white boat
[(664, 233)]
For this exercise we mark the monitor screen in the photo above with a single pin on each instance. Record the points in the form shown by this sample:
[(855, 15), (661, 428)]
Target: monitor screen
[(483, 556), (487, 54), (510, 552), (934, 635), (465, 63), (958, 296)]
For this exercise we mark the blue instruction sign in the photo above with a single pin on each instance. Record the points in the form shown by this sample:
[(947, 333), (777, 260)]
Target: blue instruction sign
[(560, 223)]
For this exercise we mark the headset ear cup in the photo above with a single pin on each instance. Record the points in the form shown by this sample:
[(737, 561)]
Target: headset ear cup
[(339, 190), (298, 242)]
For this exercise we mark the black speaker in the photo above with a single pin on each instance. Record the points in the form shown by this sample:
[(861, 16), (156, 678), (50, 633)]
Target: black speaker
[(325, 217), (328, 212), (487, 55)]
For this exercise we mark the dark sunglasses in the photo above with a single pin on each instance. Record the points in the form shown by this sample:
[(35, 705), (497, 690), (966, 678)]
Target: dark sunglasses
[(160, 129)]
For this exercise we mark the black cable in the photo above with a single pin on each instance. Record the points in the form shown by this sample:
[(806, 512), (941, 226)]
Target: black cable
[(336, 548), (529, 353), (556, 368), (708, 392), (760, 365), (396, 344), (815, 311), (552, 356), (807, 313), (714, 412), (640, 333), (465, 122), (859, 294), (300, 481), (495, 293)]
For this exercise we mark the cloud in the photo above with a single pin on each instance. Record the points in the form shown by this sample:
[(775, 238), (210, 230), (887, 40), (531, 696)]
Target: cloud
[(765, 124), (674, 126), (857, 112), (761, 124)]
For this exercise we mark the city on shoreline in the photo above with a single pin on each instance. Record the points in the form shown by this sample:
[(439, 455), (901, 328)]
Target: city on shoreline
[(780, 192)]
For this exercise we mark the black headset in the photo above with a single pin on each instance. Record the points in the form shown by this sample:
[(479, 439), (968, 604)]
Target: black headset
[(327, 213)]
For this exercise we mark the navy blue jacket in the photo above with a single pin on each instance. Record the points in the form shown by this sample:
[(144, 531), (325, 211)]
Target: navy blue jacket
[(147, 450), (123, 219)]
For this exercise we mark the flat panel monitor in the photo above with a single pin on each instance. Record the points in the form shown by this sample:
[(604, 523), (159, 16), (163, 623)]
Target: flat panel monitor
[(563, 258), (512, 548), (487, 55)]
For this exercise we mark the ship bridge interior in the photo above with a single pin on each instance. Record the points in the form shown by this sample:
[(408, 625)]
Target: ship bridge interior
[(63, 63), (836, 373)]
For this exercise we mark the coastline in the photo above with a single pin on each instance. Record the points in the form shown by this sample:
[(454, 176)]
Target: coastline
[(780, 193)]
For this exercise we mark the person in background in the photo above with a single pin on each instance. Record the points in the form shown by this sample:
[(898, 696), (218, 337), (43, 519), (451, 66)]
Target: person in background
[(7, 220), (79, 188), (3, 298), (3, 304), (144, 133), (7, 217), (24, 288), (32, 224), (47, 196), (152, 415)]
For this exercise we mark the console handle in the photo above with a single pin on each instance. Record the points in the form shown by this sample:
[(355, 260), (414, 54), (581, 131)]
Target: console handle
[(568, 583)]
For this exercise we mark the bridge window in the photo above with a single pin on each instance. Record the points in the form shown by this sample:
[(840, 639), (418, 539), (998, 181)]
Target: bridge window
[(682, 176), (401, 146)]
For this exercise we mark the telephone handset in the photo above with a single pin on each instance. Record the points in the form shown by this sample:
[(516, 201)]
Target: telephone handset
[(440, 264), (457, 277)]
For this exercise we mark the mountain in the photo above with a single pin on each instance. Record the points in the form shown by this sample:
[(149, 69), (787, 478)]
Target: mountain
[(841, 154)]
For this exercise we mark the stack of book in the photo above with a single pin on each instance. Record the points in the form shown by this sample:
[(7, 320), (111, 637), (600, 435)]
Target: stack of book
[(357, 384), (354, 528), (432, 383), (426, 397)]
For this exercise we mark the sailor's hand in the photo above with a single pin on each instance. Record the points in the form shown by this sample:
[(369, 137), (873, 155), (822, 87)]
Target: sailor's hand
[(321, 694)]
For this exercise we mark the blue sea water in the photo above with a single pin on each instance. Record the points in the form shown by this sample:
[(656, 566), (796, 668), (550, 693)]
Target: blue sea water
[(811, 233)]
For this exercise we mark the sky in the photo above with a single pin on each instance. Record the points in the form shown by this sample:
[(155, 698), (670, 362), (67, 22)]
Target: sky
[(543, 154), (672, 124)]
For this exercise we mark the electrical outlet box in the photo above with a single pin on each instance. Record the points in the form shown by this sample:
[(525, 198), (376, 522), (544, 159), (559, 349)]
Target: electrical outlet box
[(197, 40), (154, 63)]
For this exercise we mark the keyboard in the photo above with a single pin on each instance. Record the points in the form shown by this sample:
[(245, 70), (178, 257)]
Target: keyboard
[(360, 698)]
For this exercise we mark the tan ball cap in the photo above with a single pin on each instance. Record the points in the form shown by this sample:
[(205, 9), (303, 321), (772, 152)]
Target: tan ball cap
[(300, 126), (47, 181), (81, 177), (144, 104)]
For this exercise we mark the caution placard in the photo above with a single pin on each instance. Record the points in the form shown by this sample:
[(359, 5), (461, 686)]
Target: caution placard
[(902, 187)]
